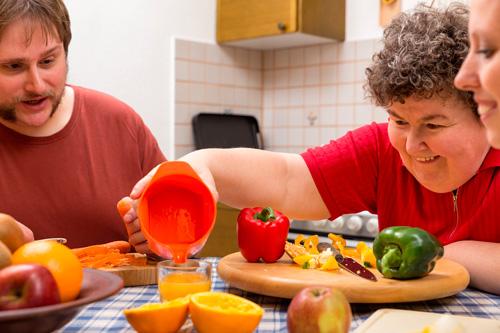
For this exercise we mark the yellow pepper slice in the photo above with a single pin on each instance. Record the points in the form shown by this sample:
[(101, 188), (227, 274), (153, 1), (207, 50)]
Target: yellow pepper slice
[(330, 264)]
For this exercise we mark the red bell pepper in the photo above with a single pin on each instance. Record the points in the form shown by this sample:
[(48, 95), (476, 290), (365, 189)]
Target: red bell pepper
[(262, 233)]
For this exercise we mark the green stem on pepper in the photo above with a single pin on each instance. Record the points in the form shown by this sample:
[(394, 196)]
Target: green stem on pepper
[(392, 259), (265, 215)]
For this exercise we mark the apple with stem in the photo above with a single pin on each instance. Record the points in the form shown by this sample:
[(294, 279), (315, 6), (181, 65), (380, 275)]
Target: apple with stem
[(26, 286), (319, 309)]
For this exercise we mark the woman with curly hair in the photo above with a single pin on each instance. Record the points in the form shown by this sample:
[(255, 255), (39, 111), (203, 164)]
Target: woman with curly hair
[(480, 72), (430, 166)]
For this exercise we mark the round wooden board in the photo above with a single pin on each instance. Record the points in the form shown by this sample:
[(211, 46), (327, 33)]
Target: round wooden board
[(285, 278)]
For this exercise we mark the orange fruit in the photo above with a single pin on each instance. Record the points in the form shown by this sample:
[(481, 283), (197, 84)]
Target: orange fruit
[(166, 317), (60, 261), (224, 313)]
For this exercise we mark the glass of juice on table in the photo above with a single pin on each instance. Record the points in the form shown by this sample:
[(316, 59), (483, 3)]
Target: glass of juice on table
[(178, 280), (176, 211)]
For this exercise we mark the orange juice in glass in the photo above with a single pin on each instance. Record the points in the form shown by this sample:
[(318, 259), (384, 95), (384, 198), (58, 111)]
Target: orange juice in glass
[(181, 279), (176, 211)]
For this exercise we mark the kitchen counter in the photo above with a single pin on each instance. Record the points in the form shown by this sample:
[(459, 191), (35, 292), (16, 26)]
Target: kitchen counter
[(107, 315)]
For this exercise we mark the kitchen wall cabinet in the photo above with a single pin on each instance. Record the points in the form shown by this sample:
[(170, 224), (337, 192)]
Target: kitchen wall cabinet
[(267, 24)]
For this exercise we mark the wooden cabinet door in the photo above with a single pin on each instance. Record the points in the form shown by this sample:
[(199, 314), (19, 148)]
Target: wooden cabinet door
[(242, 19)]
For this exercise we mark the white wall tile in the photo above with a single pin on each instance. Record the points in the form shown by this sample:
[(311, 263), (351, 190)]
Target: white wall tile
[(268, 80), (311, 96), (281, 98), (346, 72), (312, 75), (182, 48), (255, 60), (328, 95), (197, 72), (213, 94), (328, 115), (281, 58), (241, 96), (182, 92), (197, 93), (345, 94), (329, 53), (312, 55), (280, 137), (280, 118), (345, 115), (326, 135), (359, 94), (362, 114), (346, 51), (281, 78), (328, 74), (181, 70), (296, 57), (268, 100), (227, 75), (359, 70), (183, 134), (296, 78), (311, 136), (198, 52), (364, 49), (296, 136), (379, 114), (296, 97), (227, 96), (296, 117), (268, 59)]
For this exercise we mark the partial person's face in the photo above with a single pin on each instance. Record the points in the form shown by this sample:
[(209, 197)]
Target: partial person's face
[(32, 75), (480, 72), (442, 144)]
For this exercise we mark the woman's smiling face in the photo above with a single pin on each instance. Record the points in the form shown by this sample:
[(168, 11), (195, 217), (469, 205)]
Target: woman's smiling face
[(480, 72), (441, 142)]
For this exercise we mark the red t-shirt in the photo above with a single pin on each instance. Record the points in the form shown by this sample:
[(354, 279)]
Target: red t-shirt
[(362, 171), (68, 184)]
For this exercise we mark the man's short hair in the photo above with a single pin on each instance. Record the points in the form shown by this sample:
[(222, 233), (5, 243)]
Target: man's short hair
[(52, 15)]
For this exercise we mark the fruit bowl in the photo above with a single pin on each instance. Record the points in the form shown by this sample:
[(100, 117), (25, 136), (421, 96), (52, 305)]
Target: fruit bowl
[(96, 286)]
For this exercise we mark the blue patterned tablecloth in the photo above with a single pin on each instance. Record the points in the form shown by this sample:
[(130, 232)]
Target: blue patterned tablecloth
[(107, 315)]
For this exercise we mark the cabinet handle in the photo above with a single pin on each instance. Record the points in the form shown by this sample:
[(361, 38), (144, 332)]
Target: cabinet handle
[(282, 26)]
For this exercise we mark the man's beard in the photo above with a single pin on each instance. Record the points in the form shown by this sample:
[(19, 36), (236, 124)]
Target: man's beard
[(8, 111)]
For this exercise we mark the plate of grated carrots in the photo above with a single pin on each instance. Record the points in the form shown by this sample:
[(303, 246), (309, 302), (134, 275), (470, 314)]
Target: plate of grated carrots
[(115, 257)]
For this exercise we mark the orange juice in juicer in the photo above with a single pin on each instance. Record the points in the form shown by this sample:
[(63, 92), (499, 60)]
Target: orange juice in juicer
[(176, 211)]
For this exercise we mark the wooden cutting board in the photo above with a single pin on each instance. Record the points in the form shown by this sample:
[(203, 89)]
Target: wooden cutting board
[(285, 279), (135, 275), (405, 321)]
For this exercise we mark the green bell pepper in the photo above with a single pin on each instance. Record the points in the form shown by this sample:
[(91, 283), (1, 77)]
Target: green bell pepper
[(405, 252)]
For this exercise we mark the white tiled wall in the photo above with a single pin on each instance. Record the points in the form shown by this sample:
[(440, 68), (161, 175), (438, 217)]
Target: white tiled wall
[(301, 96)]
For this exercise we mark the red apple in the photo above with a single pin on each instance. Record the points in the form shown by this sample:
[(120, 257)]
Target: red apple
[(26, 286), (319, 310)]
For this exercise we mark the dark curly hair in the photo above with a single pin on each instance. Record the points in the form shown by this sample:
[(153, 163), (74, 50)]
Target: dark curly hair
[(422, 53)]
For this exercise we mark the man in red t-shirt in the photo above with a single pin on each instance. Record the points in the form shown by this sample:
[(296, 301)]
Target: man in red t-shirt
[(67, 154)]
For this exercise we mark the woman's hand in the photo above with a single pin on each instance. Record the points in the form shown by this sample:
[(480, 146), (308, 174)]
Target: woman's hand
[(127, 209)]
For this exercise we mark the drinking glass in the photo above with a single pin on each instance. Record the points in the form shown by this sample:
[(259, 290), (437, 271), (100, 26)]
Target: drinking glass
[(181, 279)]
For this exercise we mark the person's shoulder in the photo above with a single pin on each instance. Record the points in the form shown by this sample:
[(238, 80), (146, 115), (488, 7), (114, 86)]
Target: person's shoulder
[(101, 104), (94, 97)]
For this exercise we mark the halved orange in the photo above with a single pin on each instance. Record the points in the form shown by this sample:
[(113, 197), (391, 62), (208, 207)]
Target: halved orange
[(166, 317), (224, 313)]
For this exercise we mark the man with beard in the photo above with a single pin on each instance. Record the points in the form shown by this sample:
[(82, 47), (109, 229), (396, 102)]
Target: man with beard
[(67, 154)]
